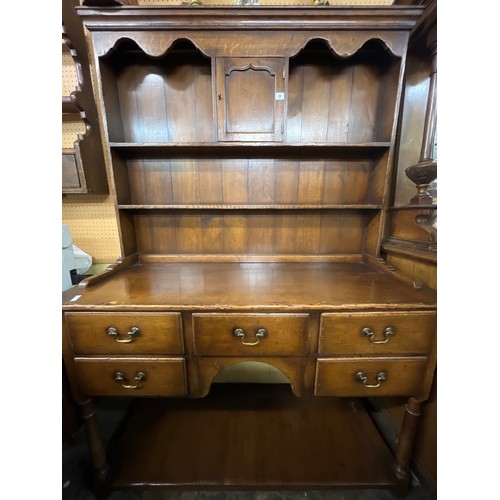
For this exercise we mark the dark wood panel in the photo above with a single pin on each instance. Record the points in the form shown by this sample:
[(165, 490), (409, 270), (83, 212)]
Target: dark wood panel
[(251, 181), (250, 436), (125, 179), (161, 101), (425, 272), (351, 232), (143, 103), (235, 181), (127, 232), (188, 232), (341, 100), (248, 108), (110, 103), (249, 232), (363, 116), (251, 109), (185, 182), (210, 178), (260, 234), (261, 183), (403, 223)]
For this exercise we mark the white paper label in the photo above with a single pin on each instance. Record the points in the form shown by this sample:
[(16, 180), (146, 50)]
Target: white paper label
[(280, 96)]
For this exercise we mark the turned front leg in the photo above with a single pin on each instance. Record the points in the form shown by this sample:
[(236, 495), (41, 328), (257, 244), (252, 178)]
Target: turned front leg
[(94, 440), (405, 445)]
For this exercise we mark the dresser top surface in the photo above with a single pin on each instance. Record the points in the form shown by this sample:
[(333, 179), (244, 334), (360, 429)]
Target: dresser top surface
[(250, 286)]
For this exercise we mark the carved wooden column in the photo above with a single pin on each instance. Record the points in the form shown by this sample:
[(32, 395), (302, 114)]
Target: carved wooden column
[(405, 445), (97, 448), (425, 171)]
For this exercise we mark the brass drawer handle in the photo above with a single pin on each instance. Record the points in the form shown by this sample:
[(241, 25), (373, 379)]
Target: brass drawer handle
[(139, 378), (368, 332), (361, 377), (134, 331), (240, 333)]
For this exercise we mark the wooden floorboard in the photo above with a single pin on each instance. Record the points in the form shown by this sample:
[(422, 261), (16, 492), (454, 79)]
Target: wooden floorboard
[(249, 436)]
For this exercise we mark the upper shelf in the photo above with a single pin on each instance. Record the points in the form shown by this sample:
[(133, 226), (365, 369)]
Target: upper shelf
[(314, 98), (262, 206), (228, 149)]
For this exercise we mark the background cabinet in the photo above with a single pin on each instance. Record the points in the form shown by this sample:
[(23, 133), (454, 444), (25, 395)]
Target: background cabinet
[(83, 167)]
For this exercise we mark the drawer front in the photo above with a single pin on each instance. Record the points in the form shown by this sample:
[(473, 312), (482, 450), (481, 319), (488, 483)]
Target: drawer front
[(377, 333), (131, 377), (250, 334), (353, 377), (125, 333)]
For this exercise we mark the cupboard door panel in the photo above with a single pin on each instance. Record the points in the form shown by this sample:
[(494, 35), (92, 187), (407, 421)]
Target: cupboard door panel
[(250, 99)]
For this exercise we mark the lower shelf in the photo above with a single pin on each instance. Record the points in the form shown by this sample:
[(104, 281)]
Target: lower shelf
[(249, 436)]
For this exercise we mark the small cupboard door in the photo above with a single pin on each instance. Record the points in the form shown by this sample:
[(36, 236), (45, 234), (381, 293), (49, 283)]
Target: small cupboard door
[(250, 98)]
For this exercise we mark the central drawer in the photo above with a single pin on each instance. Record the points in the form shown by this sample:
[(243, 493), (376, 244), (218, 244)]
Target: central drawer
[(250, 334)]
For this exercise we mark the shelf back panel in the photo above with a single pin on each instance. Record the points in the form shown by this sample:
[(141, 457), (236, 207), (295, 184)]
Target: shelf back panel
[(233, 181), (341, 100), (160, 100), (240, 232)]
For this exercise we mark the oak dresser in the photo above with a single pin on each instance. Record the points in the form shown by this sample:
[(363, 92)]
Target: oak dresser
[(250, 154)]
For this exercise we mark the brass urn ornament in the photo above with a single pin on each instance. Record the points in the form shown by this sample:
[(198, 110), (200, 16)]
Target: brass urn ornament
[(422, 174), (425, 171)]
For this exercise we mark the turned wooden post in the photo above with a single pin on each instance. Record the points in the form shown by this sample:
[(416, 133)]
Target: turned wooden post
[(94, 440), (405, 445)]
